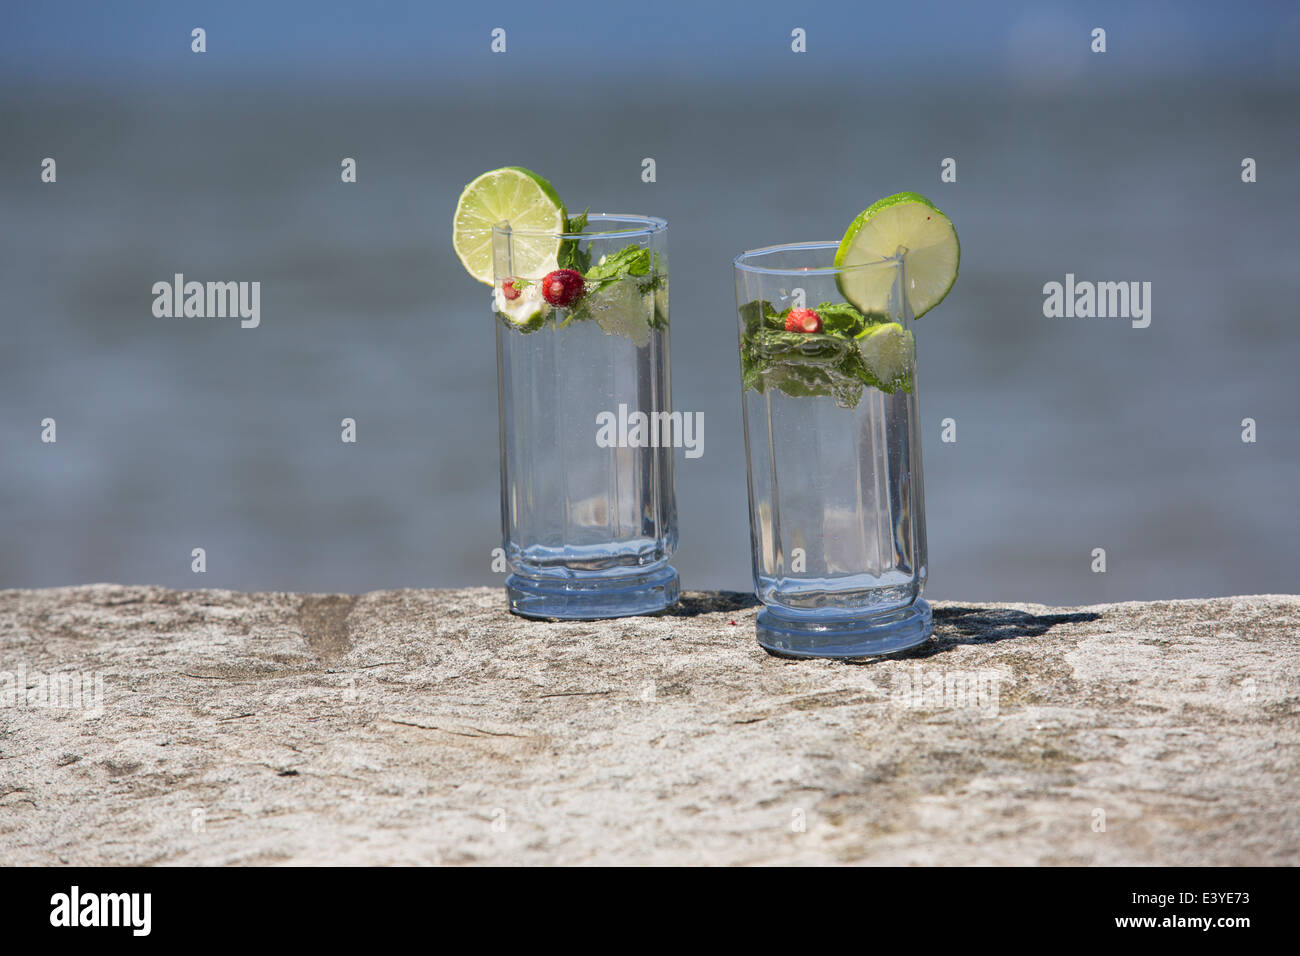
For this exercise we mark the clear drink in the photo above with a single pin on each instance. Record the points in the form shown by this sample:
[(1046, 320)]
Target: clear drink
[(862, 542), (589, 520), (837, 514)]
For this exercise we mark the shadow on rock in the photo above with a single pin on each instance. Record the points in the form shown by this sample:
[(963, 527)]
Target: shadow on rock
[(690, 604), (694, 603), (974, 625)]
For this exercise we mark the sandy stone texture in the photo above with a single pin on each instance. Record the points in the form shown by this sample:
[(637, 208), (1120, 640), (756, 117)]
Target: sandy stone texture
[(432, 727)]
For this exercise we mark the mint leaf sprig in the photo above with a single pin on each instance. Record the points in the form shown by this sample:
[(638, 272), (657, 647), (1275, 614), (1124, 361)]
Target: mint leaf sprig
[(571, 254), (809, 363), (631, 262)]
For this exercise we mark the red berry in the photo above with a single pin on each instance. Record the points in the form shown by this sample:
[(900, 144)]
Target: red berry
[(803, 320), (510, 290), (563, 287)]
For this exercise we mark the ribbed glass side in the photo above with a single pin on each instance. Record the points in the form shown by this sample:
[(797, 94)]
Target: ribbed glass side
[(569, 504)]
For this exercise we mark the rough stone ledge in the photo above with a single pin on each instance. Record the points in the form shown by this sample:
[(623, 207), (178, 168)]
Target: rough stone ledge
[(434, 727)]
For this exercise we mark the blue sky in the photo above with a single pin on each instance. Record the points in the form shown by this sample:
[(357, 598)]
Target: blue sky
[(396, 42)]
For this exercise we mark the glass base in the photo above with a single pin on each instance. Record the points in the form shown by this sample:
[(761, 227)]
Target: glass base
[(841, 639), (591, 597)]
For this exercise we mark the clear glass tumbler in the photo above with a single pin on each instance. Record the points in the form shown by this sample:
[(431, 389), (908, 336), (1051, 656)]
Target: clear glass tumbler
[(589, 519), (836, 502)]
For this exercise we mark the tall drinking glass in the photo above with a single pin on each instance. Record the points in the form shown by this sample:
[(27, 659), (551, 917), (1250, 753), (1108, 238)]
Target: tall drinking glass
[(589, 520), (837, 516)]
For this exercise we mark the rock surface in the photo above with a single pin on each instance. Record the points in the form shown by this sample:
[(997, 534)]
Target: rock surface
[(434, 727)]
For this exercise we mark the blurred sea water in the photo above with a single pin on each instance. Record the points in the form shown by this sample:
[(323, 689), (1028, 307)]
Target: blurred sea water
[(1072, 434)]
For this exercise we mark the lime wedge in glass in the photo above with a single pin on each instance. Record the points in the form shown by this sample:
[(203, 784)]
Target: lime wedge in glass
[(887, 351), (905, 224), (525, 200), (620, 309)]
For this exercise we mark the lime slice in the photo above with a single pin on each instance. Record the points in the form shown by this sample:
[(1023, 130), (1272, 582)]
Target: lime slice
[(522, 198), (888, 351), (906, 224)]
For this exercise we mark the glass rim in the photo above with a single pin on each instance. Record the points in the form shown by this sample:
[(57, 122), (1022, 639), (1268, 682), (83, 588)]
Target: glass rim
[(645, 226), (743, 264)]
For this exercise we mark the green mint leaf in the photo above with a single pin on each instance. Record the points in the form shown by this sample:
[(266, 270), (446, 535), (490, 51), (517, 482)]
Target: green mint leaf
[(631, 260), (802, 364), (571, 254), (753, 313), (840, 318)]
